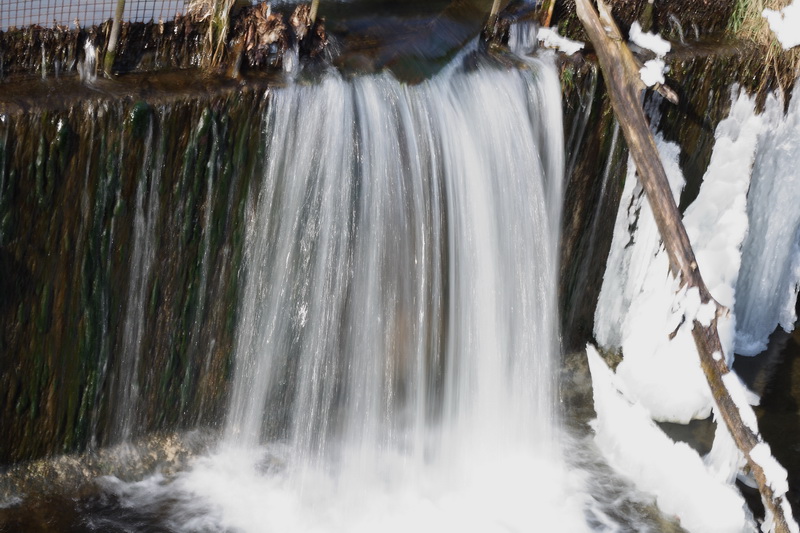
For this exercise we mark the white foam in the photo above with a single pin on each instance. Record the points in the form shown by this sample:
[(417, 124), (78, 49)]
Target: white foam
[(505, 492)]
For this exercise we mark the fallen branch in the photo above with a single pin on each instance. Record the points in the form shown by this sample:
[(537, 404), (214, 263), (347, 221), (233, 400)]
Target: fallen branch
[(621, 74)]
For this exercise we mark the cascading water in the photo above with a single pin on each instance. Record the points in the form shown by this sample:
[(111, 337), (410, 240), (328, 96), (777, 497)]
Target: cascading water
[(399, 321), (395, 358)]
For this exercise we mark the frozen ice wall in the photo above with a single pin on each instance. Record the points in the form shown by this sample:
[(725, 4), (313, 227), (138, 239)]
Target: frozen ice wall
[(746, 244), (644, 312), (770, 273)]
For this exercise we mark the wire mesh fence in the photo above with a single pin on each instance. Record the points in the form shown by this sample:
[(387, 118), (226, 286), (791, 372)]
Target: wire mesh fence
[(49, 13)]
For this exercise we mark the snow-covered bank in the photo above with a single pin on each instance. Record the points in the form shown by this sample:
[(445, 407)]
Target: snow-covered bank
[(744, 227), (671, 471), (746, 244)]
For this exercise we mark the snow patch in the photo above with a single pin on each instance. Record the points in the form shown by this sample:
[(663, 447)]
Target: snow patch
[(743, 399), (706, 313), (773, 471), (551, 39), (725, 460), (648, 40), (670, 471), (653, 72), (786, 24)]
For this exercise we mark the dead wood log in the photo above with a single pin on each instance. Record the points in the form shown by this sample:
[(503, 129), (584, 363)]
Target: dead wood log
[(621, 75)]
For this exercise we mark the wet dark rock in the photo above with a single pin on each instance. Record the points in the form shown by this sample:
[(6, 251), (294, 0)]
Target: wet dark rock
[(69, 178), (596, 159), (775, 376), (496, 31)]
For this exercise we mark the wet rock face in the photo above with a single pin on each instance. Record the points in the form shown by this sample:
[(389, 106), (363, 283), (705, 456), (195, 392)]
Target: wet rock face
[(86, 194), (596, 158), (691, 19)]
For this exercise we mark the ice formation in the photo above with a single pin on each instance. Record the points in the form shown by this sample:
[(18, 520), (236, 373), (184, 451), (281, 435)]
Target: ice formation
[(744, 228), (641, 305), (717, 220), (770, 273)]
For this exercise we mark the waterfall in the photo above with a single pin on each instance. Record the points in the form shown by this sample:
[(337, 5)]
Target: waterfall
[(354, 291), (350, 280), (397, 338)]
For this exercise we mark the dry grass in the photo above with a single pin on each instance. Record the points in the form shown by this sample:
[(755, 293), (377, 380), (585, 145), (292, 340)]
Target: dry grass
[(217, 13), (747, 23)]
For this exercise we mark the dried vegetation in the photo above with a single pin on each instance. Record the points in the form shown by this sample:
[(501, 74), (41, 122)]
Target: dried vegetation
[(747, 23)]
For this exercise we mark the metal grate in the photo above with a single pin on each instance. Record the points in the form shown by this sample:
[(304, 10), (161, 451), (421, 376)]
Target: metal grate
[(48, 13)]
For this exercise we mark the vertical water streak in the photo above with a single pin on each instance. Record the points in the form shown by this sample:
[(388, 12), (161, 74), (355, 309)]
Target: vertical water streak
[(108, 199), (196, 351), (87, 69), (95, 260), (4, 127), (522, 37), (502, 182), (126, 402), (302, 192)]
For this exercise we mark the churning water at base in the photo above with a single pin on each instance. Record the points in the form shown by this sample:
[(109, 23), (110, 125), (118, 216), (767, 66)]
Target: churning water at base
[(398, 339)]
